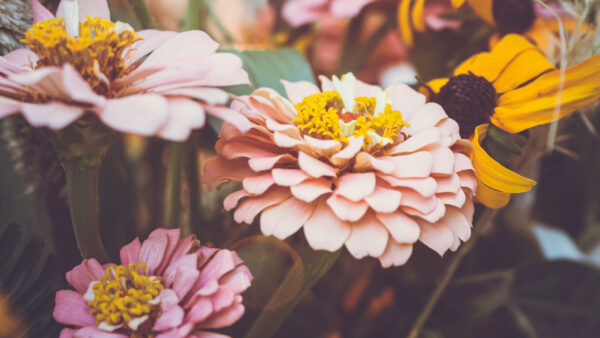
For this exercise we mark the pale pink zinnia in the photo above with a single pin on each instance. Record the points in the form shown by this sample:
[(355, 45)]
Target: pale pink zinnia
[(300, 12), (164, 287), (149, 82), (352, 165)]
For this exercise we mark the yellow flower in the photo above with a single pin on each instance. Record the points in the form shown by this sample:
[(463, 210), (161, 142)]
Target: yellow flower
[(516, 88)]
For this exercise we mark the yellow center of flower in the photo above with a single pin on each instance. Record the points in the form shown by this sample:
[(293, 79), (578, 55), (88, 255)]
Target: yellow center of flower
[(126, 299), (322, 116), (97, 53)]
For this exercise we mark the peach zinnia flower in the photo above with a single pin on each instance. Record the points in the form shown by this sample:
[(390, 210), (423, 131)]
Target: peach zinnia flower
[(352, 165), (164, 287), (300, 12), (150, 82)]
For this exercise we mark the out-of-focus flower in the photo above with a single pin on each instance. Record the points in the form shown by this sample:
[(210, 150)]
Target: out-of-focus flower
[(419, 15), (516, 88), (164, 287), (300, 12), (149, 83), (352, 165)]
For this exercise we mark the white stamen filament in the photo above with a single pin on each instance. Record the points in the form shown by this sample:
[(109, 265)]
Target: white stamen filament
[(71, 16)]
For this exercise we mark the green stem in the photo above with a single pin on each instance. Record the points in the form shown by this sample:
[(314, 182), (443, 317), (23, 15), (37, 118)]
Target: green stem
[(315, 265), (82, 185), (173, 185), (478, 229), (140, 9)]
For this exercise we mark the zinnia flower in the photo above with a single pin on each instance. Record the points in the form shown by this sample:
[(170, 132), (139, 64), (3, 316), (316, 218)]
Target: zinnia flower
[(300, 12), (149, 82), (515, 87), (164, 287), (352, 165)]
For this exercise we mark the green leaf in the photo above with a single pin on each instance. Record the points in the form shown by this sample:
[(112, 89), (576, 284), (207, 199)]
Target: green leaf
[(503, 139)]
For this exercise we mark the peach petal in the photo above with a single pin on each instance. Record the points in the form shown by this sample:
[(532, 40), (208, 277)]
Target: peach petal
[(325, 148), (384, 200), (404, 229), (422, 139), (138, 114), (425, 186), (252, 206), (289, 177), (314, 167), (432, 217), (258, 184), (309, 190), (286, 218), (414, 165), (325, 231), (344, 156), (285, 141), (437, 236), (468, 209), (54, 115), (245, 148), (395, 254), (454, 199), (426, 117), (406, 100), (297, 91), (462, 163), (355, 186), (346, 209), (266, 163), (229, 115), (443, 161), (368, 238), (467, 181), (458, 223), (449, 184), (416, 201), (365, 161)]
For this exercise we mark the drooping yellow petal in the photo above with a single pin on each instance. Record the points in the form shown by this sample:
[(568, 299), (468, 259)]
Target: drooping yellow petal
[(489, 197), (483, 9), (533, 104), (457, 3), (418, 15), (435, 85), (524, 67), (404, 22), (492, 173)]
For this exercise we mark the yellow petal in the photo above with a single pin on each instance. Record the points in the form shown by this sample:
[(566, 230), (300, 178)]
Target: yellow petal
[(492, 173), (489, 197), (533, 104), (524, 67), (483, 9), (435, 85), (418, 16), (467, 65), (457, 3), (404, 22)]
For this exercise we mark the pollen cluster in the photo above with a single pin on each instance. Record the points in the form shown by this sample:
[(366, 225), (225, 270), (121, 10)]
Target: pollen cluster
[(322, 116), (97, 53), (125, 297)]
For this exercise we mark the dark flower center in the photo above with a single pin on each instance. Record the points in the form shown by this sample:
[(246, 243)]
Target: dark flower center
[(513, 16), (469, 100)]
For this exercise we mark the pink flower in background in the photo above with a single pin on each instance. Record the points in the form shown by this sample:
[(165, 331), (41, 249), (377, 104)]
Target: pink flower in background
[(300, 12), (351, 165), (149, 83), (164, 287)]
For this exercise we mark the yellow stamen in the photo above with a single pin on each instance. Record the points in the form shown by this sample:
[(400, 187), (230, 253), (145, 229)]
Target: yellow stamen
[(99, 47), (124, 294)]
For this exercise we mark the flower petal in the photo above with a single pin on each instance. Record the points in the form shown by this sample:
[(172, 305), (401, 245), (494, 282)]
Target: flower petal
[(129, 253), (395, 254), (404, 229), (491, 198), (169, 319), (138, 114), (368, 238), (40, 13), (54, 115), (314, 167), (384, 200), (93, 8), (325, 231), (72, 309), (311, 189), (286, 218), (184, 116), (252, 206), (346, 209), (297, 91), (355, 186), (437, 236)]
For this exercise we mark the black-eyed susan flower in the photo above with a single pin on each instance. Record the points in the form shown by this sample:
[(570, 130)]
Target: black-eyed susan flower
[(515, 88)]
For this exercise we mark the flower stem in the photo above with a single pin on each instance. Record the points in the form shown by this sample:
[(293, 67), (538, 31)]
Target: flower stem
[(82, 186), (140, 9), (173, 185), (480, 228)]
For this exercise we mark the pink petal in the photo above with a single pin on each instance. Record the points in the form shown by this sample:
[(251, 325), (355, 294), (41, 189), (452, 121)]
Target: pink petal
[(436, 236), (324, 230), (152, 252), (426, 186), (406, 100), (413, 165), (53, 115), (21, 57), (238, 280), (185, 278), (72, 309), (185, 44), (325, 148), (200, 311), (93, 8), (83, 274), (368, 238), (168, 299), (289, 177), (355, 186), (169, 319), (184, 116), (395, 254), (403, 228), (78, 89), (230, 116), (443, 161), (138, 114), (311, 189), (300, 12), (419, 141), (347, 8), (462, 163), (286, 218), (93, 332), (232, 200), (297, 91), (221, 263), (208, 95), (66, 333), (152, 40), (458, 223), (129, 253), (8, 107), (428, 116), (454, 199), (448, 184), (223, 298), (284, 141), (40, 13), (224, 318), (266, 163), (258, 184), (384, 199), (314, 167), (467, 180), (246, 147), (414, 200), (432, 217), (345, 209), (365, 161), (252, 206), (343, 157)]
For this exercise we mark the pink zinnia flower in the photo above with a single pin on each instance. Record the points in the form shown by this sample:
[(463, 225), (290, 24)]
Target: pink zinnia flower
[(352, 165), (149, 82), (164, 287), (300, 12)]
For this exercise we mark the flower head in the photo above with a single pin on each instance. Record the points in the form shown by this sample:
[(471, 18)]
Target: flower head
[(148, 82), (515, 87), (300, 12), (163, 286), (352, 164)]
